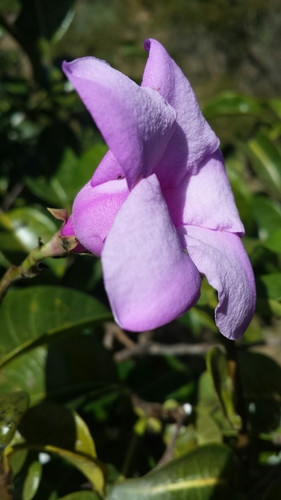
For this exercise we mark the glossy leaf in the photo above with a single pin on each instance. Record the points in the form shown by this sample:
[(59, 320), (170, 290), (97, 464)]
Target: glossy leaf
[(199, 475), (32, 481), (26, 373), (12, 407), (34, 316), (218, 368)]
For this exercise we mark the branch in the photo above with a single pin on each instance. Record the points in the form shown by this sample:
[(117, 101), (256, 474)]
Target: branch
[(156, 349), (169, 452), (58, 246), (5, 492)]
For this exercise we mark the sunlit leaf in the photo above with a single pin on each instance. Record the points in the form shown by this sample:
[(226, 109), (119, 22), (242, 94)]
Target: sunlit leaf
[(84, 441), (34, 316), (202, 474), (12, 407), (32, 481)]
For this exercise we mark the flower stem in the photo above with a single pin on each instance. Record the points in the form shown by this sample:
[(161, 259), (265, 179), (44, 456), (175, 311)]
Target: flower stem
[(58, 246)]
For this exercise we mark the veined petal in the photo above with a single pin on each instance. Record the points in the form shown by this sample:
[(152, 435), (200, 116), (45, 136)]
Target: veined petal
[(136, 123), (205, 199), (149, 278), (94, 210), (192, 139), (222, 258)]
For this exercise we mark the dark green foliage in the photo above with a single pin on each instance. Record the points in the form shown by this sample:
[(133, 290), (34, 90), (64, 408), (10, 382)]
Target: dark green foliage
[(101, 422)]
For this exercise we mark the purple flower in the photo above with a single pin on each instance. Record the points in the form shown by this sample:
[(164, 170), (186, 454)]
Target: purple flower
[(159, 209)]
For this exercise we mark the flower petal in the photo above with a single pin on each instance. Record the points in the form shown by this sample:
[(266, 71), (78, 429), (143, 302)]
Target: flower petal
[(94, 210), (136, 123), (149, 278), (192, 139), (205, 199), (222, 258), (108, 170)]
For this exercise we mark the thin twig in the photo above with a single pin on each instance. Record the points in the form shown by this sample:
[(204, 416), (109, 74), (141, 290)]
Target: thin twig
[(114, 331), (157, 349), (12, 196), (169, 452)]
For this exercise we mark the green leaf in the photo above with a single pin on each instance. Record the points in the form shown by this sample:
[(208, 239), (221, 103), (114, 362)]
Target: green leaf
[(261, 383), (273, 492), (266, 161), (269, 307), (207, 429), (88, 466), (199, 475), (26, 373), (12, 407), (53, 428), (22, 228), (229, 103), (17, 460), (25, 225), (267, 214), (273, 243), (53, 424), (32, 481), (81, 495), (269, 286), (36, 315), (84, 441), (36, 23), (71, 175), (217, 365)]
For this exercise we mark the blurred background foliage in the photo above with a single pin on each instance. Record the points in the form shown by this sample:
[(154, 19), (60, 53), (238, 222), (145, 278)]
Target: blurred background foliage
[(83, 406)]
